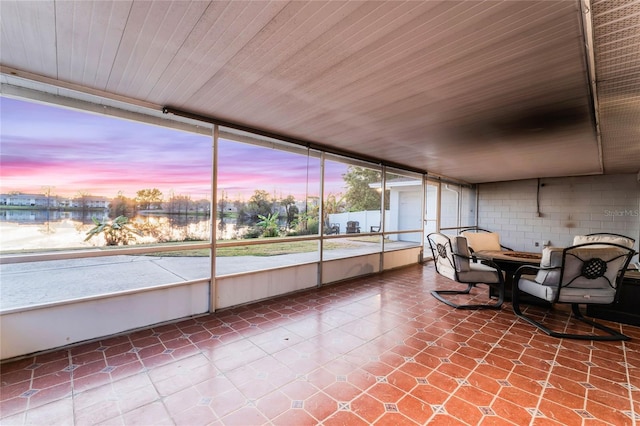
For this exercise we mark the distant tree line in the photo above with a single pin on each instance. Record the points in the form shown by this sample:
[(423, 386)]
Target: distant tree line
[(262, 213)]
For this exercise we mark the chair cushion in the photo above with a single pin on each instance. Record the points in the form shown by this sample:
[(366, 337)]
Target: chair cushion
[(568, 295), (603, 296), (479, 273), (481, 241), (584, 239), (537, 289), (575, 263)]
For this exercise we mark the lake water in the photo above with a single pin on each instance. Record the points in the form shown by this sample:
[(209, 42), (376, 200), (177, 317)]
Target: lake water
[(41, 229)]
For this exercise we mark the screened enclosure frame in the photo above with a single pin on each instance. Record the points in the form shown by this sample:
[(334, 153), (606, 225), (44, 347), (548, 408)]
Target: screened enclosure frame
[(216, 131)]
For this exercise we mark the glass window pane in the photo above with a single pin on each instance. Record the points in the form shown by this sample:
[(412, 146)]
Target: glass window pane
[(468, 207), (352, 197), (403, 202), (397, 241), (246, 258), (33, 283), (267, 190), (351, 245), (449, 205), (71, 179), (335, 204), (431, 208), (352, 205)]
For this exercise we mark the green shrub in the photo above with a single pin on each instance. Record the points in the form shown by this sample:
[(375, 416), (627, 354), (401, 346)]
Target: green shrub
[(269, 225), (253, 232), (312, 226)]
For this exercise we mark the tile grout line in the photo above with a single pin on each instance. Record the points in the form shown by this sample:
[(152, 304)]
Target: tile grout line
[(146, 372), (504, 335), (586, 399), (73, 399), (366, 391), (28, 405), (549, 373), (248, 339), (468, 376), (271, 355), (406, 393), (632, 411)]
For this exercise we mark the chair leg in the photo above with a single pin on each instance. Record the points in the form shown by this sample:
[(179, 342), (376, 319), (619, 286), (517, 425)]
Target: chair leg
[(515, 303), (611, 335), (438, 295)]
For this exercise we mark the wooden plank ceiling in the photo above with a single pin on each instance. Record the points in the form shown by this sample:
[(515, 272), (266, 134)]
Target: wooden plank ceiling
[(479, 91)]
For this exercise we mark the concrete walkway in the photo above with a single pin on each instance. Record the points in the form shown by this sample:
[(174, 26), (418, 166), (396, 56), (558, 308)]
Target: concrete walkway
[(25, 284)]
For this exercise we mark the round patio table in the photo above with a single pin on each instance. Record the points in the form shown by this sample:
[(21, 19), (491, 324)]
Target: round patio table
[(509, 262)]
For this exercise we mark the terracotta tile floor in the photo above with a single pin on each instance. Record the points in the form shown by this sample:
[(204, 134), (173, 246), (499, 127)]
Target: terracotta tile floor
[(373, 350)]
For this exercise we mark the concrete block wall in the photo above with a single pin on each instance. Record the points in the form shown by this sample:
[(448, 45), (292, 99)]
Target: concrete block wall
[(568, 206)]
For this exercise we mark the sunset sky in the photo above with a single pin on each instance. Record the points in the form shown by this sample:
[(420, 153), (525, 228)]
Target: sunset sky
[(74, 151)]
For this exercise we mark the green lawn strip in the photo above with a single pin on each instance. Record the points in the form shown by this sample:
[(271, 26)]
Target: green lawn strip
[(273, 249), (257, 250)]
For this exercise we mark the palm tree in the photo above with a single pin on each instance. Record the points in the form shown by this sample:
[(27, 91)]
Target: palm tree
[(116, 233), (270, 224)]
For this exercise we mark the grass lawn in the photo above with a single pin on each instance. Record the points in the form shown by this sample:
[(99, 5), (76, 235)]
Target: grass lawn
[(274, 249)]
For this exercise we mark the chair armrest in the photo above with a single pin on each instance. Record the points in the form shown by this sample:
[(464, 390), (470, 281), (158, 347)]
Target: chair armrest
[(463, 256), (475, 259), (506, 248), (515, 282), (532, 269)]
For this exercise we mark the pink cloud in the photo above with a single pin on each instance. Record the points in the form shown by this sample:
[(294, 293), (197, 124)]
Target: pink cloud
[(75, 151)]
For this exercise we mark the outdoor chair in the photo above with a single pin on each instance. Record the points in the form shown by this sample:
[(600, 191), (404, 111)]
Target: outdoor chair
[(333, 228), (353, 227), (588, 273), (481, 240), (452, 260)]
